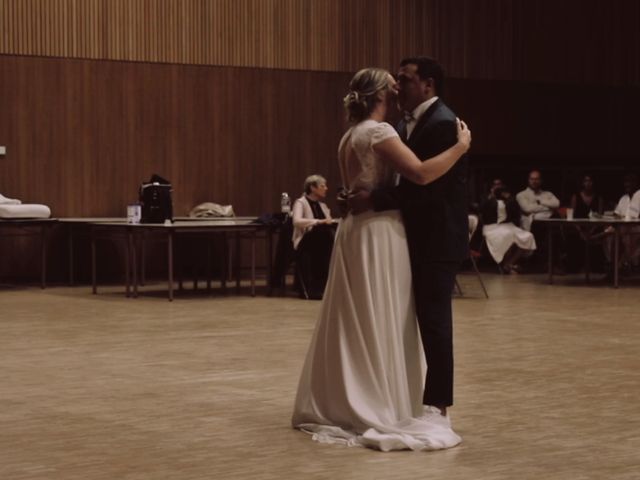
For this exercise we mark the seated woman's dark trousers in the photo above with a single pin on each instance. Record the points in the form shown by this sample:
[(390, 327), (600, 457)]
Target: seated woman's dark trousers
[(312, 257)]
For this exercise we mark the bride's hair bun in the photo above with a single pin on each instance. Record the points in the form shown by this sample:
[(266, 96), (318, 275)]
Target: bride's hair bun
[(356, 106), (363, 92)]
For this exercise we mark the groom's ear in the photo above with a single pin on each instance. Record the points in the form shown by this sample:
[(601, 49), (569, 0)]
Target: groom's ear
[(430, 82)]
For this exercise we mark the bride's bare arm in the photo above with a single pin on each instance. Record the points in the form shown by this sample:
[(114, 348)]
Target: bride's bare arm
[(423, 172)]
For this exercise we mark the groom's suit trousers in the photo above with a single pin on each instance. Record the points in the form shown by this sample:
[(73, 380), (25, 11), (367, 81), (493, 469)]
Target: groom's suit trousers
[(433, 283), (436, 221)]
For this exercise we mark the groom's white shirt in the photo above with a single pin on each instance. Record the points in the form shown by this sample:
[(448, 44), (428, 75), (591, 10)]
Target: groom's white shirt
[(415, 114), (418, 112)]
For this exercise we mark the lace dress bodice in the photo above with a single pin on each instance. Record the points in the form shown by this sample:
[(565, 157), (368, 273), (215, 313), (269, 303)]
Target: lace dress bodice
[(373, 171)]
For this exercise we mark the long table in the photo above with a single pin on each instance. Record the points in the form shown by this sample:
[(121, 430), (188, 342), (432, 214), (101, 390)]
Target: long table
[(25, 227), (583, 223), (132, 233), (75, 226)]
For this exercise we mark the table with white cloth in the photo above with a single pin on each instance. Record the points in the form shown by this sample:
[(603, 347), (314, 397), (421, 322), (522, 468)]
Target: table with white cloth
[(585, 225)]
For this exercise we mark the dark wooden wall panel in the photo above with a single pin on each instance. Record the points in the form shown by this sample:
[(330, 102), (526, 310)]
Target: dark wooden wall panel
[(583, 41)]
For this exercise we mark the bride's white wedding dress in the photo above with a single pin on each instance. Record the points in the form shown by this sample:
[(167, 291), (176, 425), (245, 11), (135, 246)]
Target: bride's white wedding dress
[(363, 376)]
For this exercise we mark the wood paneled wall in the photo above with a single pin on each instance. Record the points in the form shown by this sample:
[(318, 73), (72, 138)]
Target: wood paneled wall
[(95, 95), (583, 41), (81, 135)]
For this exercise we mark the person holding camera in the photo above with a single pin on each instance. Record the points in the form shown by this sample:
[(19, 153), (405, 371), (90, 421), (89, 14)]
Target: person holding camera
[(506, 241)]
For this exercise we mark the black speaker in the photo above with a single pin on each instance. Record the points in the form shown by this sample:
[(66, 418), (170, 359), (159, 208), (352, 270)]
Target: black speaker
[(155, 198)]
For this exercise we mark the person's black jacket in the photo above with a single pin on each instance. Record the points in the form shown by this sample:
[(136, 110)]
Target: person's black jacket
[(490, 211)]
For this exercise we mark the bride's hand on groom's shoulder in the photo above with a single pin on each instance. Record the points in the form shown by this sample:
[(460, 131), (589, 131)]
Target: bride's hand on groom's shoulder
[(464, 134)]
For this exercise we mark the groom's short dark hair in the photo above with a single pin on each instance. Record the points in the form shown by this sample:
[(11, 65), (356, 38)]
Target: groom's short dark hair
[(427, 68)]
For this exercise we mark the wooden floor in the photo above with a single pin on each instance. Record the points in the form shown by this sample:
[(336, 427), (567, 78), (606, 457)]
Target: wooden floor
[(104, 387)]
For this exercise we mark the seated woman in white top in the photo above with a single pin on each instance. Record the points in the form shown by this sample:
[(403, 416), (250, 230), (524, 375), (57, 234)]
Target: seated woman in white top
[(628, 207), (312, 237), (505, 240)]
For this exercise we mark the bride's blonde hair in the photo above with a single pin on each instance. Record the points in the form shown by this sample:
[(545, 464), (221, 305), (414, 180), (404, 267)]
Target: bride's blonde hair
[(363, 93)]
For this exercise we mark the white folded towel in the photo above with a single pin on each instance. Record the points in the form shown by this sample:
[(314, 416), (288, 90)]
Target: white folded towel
[(9, 201)]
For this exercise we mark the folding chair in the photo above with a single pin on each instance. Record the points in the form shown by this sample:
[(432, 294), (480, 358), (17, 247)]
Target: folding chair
[(473, 225)]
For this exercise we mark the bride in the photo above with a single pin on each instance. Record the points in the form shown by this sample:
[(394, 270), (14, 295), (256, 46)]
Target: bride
[(362, 381)]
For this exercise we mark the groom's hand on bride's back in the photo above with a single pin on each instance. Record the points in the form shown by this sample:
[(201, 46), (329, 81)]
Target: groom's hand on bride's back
[(359, 202), (341, 200)]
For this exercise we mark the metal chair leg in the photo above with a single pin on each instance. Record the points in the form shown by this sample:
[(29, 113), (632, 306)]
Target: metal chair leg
[(475, 267), (300, 278)]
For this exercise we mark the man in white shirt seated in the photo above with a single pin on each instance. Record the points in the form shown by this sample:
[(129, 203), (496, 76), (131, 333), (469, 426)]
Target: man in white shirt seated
[(312, 237), (629, 204), (534, 202), (628, 208)]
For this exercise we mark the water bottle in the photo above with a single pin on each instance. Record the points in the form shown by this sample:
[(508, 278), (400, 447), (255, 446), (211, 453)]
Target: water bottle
[(134, 213), (285, 203)]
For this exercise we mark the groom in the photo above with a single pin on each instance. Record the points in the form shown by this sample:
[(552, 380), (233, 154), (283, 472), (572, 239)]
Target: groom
[(435, 218)]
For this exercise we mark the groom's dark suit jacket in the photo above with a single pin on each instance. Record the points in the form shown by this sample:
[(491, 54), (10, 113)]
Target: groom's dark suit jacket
[(436, 215)]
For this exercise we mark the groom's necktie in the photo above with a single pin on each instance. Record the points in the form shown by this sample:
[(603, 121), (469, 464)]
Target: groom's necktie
[(407, 119), (402, 130)]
